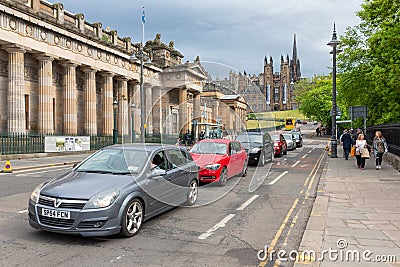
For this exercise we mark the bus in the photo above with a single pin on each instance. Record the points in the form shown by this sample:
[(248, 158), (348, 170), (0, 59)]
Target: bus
[(290, 123)]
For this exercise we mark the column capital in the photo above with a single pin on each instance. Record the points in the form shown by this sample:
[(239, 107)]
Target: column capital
[(12, 48), (89, 70), (122, 78), (107, 74), (67, 64), (44, 58)]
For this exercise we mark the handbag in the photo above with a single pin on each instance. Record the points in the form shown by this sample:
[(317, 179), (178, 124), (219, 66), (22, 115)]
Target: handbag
[(365, 153), (352, 151)]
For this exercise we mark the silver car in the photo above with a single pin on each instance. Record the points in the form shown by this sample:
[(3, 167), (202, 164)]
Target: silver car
[(115, 190), (290, 140)]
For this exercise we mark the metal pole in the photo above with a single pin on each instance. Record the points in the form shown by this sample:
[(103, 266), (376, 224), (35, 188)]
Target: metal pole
[(133, 122), (333, 43), (115, 130), (143, 102), (333, 138)]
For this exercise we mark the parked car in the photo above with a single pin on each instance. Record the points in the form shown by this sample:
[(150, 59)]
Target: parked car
[(280, 146), (219, 160), (115, 190), (299, 138), (290, 140), (258, 145)]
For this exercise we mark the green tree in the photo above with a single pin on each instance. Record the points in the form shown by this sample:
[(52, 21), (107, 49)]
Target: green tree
[(370, 62), (315, 98)]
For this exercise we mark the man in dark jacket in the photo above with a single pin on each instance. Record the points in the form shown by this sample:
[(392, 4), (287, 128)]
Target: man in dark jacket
[(347, 141)]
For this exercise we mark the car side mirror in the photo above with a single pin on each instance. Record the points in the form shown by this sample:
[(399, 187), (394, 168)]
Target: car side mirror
[(75, 164), (233, 152), (158, 172)]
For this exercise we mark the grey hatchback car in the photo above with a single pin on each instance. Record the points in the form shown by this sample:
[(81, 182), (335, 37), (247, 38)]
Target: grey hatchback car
[(115, 190)]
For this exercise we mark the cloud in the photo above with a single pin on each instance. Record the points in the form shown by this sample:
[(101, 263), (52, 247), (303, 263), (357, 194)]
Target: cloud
[(236, 32)]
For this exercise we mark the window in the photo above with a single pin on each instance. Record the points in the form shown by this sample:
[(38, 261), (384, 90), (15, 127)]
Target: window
[(159, 161), (176, 157)]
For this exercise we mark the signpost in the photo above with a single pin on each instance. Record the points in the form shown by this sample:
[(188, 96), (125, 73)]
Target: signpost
[(359, 112)]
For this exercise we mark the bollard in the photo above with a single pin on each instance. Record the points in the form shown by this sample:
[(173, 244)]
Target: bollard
[(7, 167)]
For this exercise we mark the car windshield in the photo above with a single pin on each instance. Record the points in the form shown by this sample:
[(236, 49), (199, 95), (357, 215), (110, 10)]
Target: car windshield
[(296, 134), (288, 136), (275, 137), (209, 148), (249, 138), (116, 161)]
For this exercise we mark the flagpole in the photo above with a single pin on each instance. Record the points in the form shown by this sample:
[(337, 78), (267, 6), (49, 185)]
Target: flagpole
[(142, 96)]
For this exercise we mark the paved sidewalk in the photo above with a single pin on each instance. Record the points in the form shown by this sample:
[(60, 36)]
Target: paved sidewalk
[(355, 211), (41, 161)]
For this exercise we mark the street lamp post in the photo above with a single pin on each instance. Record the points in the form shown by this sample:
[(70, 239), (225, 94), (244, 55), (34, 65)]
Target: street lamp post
[(133, 121), (334, 43), (140, 55), (115, 130)]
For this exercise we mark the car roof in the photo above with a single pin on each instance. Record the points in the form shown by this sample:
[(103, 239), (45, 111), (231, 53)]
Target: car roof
[(139, 146), (217, 140)]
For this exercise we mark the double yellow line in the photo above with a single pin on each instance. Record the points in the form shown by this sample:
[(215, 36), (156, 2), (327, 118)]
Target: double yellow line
[(306, 192)]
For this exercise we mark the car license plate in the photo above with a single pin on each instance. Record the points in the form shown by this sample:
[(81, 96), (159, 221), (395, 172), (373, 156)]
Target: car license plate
[(59, 214)]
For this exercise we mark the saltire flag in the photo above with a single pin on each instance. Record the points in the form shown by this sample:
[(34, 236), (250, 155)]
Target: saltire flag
[(143, 17)]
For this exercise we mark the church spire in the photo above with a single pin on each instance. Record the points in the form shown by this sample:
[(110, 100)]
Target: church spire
[(294, 57)]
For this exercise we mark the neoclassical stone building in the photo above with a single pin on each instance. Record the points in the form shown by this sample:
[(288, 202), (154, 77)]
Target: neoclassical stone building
[(60, 75)]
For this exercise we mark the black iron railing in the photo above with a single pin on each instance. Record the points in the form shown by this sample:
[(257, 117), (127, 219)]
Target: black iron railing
[(391, 132)]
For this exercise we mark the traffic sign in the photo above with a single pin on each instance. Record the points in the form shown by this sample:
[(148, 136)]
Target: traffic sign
[(358, 111)]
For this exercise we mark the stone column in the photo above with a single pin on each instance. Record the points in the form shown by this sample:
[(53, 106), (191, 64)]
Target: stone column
[(138, 103), (149, 106), (196, 107), (16, 110), (90, 121), (215, 110), (183, 113), (45, 110), (70, 122), (157, 117), (107, 103), (123, 112)]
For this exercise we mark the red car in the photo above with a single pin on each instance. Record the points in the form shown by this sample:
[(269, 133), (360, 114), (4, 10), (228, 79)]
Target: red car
[(280, 145), (219, 160)]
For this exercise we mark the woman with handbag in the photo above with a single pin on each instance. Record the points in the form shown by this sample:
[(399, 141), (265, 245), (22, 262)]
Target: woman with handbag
[(361, 151), (380, 147)]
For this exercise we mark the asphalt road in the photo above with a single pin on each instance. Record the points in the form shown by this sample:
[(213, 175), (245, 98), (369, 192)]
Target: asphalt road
[(232, 227)]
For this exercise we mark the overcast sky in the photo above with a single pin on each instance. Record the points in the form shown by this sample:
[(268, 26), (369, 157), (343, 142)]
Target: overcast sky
[(234, 33)]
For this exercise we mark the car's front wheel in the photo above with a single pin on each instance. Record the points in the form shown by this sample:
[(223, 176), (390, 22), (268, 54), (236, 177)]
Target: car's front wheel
[(261, 161), (244, 170), (193, 192), (223, 177), (132, 218)]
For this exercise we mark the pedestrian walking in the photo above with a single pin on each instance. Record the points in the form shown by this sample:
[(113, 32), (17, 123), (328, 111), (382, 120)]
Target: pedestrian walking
[(361, 143), (202, 135), (380, 147), (187, 137), (318, 131), (347, 141)]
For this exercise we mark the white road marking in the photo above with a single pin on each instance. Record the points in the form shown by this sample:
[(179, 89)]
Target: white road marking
[(277, 178), (30, 173), (245, 204), (304, 156), (221, 224), (294, 165), (23, 211)]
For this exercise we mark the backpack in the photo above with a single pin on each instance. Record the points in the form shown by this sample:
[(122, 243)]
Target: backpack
[(380, 146)]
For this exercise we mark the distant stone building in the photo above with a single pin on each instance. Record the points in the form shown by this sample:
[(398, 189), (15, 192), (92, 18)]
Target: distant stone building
[(269, 90), (62, 75)]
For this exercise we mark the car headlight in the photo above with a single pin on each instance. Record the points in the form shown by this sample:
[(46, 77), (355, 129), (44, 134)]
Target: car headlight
[(254, 150), (35, 193), (213, 167), (102, 200)]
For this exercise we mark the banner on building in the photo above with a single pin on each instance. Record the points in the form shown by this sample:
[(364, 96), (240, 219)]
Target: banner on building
[(66, 143)]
